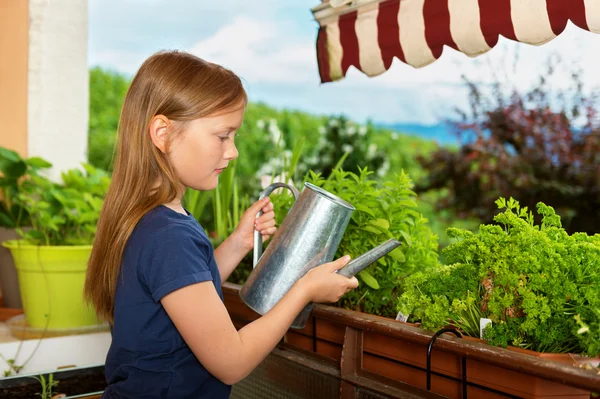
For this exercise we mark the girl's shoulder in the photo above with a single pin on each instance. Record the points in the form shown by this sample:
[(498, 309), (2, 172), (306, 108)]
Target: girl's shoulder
[(162, 223)]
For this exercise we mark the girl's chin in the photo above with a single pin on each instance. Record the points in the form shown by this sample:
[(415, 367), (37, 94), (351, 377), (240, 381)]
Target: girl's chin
[(207, 185)]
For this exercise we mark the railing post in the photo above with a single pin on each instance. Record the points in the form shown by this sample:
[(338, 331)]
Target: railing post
[(351, 362)]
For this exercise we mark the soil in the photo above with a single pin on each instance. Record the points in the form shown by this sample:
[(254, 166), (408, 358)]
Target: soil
[(70, 383)]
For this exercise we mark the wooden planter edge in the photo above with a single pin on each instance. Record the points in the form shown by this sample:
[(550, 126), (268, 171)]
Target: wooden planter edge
[(508, 359)]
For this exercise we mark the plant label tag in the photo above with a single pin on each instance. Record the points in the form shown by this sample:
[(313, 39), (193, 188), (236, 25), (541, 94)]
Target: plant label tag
[(401, 317), (483, 322)]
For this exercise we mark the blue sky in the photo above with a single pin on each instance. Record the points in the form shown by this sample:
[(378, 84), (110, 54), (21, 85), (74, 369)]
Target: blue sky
[(270, 44)]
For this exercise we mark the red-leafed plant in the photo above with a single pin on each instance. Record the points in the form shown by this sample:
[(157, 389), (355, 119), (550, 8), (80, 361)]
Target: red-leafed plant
[(543, 145)]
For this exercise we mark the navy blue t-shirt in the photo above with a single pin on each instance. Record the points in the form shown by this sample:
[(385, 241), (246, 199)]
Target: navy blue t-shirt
[(148, 358)]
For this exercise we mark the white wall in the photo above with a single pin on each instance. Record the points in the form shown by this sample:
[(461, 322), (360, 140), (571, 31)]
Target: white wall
[(58, 93)]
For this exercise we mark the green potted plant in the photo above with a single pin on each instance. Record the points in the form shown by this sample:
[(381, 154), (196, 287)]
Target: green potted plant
[(51, 257), (525, 281), (14, 173)]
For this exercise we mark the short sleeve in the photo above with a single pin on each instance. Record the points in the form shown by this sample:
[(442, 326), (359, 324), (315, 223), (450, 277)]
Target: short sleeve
[(175, 258)]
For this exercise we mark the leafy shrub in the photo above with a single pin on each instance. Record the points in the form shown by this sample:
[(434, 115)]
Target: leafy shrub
[(529, 279), (340, 136), (67, 213), (107, 92), (15, 173), (542, 145)]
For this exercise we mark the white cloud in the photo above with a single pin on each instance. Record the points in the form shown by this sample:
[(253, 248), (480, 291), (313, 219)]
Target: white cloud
[(260, 51)]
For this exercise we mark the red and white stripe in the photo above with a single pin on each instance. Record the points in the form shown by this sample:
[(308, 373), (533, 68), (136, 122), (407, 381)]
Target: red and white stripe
[(368, 37)]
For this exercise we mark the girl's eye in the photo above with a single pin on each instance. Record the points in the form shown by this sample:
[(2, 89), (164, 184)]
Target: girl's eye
[(225, 138)]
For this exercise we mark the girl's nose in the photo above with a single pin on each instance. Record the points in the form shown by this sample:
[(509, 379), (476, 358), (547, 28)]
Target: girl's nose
[(231, 153)]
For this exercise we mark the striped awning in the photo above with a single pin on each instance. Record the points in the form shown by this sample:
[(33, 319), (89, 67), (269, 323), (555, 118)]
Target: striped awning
[(368, 34)]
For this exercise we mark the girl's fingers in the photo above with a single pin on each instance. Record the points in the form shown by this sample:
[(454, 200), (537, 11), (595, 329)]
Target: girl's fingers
[(268, 207), (268, 232), (265, 217), (265, 225)]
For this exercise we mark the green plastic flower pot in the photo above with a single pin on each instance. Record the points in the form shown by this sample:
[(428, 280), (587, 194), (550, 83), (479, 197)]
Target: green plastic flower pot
[(51, 282)]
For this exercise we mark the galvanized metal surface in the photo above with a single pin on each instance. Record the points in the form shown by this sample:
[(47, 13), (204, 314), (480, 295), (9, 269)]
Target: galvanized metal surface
[(309, 236), (360, 263), (258, 243)]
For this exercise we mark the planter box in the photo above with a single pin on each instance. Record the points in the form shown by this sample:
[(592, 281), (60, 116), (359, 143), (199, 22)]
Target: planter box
[(398, 351), (79, 382)]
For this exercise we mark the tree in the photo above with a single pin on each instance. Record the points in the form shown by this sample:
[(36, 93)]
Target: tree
[(107, 92), (543, 145)]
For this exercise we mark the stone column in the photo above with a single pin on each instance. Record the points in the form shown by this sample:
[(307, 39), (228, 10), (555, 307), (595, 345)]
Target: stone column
[(44, 82), (58, 90)]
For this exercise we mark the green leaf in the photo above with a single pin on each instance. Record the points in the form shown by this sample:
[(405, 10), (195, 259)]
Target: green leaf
[(406, 237), (384, 224), (364, 209), (371, 229), (9, 155), (13, 170), (6, 221), (368, 279), (38, 163), (398, 255)]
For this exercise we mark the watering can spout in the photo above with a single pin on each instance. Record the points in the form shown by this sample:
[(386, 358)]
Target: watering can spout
[(360, 263)]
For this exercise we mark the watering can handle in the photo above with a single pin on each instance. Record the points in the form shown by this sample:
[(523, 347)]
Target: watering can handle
[(257, 236)]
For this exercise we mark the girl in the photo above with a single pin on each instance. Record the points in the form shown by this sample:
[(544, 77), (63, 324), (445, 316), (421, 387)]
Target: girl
[(153, 274)]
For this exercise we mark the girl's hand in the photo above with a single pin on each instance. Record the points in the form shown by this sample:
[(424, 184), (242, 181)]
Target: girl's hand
[(323, 284), (265, 224)]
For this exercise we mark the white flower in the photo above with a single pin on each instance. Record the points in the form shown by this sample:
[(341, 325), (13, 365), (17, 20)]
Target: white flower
[(312, 160), (347, 148), (362, 130), (266, 180), (394, 136), (277, 162), (351, 130), (333, 122), (371, 151), (384, 168), (322, 130), (275, 132), (322, 142), (265, 169), (260, 124)]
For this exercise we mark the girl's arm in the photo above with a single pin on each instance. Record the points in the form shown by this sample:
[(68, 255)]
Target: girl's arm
[(230, 253), (231, 355)]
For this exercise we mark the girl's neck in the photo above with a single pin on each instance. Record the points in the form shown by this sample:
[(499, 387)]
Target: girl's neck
[(176, 206)]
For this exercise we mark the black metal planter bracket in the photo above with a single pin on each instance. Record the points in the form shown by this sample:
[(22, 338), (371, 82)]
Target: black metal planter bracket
[(463, 360)]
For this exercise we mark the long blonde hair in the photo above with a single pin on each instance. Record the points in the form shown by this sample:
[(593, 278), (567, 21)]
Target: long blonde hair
[(181, 87)]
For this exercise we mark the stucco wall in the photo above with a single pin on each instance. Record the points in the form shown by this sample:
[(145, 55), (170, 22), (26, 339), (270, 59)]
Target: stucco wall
[(58, 90), (13, 75)]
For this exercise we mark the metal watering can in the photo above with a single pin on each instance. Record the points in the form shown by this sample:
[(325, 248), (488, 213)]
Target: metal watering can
[(308, 237)]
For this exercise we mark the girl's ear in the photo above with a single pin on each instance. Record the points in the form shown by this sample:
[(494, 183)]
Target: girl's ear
[(158, 132)]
